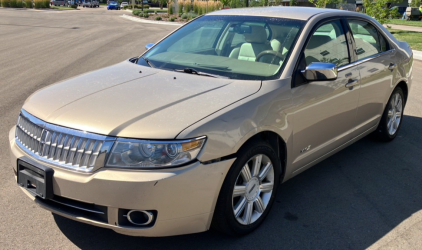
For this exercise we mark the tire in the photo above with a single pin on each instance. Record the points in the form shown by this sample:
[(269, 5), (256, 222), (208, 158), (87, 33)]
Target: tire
[(388, 128), (228, 203)]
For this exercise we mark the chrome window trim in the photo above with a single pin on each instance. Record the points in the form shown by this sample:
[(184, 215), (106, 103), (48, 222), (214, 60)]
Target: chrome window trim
[(355, 63), (108, 142)]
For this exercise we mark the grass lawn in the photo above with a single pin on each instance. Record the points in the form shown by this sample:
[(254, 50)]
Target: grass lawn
[(404, 22), (414, 39), (61, 8)]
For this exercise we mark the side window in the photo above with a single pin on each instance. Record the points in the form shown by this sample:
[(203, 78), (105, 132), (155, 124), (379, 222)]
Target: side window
[(328, 44), (368, 40)]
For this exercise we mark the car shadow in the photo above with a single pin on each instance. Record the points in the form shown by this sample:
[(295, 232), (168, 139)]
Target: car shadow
[(349, 201)]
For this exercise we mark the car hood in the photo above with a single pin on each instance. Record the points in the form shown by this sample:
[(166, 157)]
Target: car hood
[(133, 101)]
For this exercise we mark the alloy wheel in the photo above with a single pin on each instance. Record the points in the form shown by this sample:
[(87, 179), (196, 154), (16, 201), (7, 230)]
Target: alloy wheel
[(394, 113), (253, 188)]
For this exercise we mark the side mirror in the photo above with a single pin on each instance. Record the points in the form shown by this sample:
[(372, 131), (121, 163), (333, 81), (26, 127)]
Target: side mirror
[(319, 71), (149, 45)]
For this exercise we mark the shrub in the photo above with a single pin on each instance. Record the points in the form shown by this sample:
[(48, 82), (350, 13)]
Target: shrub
[(195, 6), (172, 19), (46, 4), (19, 4), (12, 3), (136, 12), (184, 16), (146, 15), (28, 4), (180, 7), (74, 6), (155, 12), (379, 9), (415, 3), (187, 7), (139, 6), (170, 7), (158, 18), (38, 4)]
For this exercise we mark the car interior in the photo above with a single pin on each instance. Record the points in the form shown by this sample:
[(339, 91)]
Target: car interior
[(257, 48)]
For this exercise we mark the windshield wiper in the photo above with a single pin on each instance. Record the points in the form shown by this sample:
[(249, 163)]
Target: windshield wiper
[(149, 63), (192, 71)]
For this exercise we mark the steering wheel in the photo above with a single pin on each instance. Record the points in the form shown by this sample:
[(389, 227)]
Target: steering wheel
[(269, 52)]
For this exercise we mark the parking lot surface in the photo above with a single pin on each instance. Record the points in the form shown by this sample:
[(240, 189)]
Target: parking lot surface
[(366, 196)]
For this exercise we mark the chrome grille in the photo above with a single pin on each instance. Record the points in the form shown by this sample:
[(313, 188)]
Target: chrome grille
[(61, 146)]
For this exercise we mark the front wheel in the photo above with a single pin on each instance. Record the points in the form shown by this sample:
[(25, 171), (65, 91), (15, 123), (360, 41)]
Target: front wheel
[(248, 190), (392, 117)]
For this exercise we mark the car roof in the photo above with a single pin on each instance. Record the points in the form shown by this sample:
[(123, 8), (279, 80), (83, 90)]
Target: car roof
[(300, 13)]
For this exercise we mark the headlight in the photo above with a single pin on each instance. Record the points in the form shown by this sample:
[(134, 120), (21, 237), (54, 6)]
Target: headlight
[(153, 154)]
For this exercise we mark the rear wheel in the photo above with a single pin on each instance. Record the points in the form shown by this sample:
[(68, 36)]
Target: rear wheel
[(248, 190), (392, 117)]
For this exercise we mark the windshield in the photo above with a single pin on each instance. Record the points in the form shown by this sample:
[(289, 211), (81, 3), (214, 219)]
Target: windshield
[(237, 47)]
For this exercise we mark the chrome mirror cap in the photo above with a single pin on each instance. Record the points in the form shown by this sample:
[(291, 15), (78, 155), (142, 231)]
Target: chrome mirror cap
[(149, 45), (319, 71)]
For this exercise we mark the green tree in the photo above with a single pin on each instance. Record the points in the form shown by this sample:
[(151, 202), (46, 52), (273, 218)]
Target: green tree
[(415, 3), (323, 3), (380, 9), (293, 2), (237, 3), (225, 2), (256, 3)]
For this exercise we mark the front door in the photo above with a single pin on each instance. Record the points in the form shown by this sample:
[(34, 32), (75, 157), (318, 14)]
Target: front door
[(324, 111)]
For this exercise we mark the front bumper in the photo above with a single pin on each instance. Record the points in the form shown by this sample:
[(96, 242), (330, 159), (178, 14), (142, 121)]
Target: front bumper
[(184, 198)]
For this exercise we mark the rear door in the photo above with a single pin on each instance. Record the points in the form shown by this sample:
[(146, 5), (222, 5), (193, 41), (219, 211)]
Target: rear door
[(375, 59), (325, 111)]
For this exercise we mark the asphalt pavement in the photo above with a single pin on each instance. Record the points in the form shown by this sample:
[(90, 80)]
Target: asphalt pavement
[(366, 196)]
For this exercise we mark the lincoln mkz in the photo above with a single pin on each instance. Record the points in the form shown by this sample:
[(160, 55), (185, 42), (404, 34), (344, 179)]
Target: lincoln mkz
[(200, 130)]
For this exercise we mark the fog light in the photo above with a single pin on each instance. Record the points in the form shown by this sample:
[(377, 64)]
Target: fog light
[(140, 218)]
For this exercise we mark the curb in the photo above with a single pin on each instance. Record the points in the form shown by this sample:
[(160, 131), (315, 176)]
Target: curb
[(139, 20), (417, 55)]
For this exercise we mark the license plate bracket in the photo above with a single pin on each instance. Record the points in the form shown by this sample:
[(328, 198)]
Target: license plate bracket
[(36, 180)]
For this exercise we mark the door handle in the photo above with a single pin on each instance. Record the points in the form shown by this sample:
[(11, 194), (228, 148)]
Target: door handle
[(392, 66), (352, 83)]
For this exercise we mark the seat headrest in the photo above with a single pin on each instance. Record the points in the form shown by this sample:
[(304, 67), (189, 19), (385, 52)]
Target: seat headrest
[(278, 31), (257, 35), (318, 40)]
